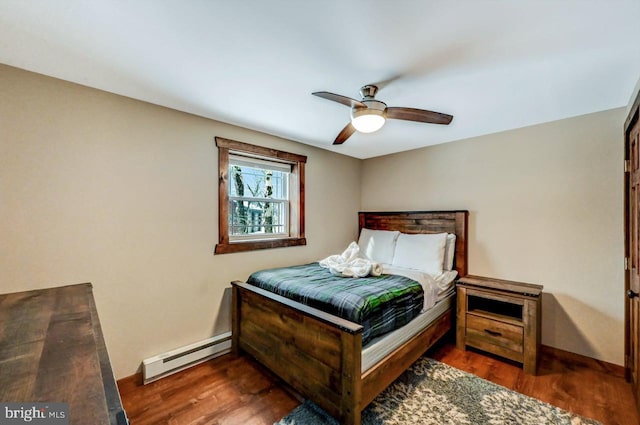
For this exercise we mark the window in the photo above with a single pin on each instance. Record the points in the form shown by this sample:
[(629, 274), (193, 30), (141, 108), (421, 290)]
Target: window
[(261, 197)]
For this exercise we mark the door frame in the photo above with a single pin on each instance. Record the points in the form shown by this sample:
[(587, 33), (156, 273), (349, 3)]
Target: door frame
[(632, 118)]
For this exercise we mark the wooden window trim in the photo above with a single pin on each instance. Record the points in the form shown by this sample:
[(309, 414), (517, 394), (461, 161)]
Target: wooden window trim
[(224, 246)]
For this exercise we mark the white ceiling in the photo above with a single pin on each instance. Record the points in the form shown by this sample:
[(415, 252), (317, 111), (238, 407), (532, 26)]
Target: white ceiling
[(494, 65)]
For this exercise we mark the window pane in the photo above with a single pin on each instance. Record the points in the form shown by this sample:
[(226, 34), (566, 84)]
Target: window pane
[(250, 182), (249, 217)]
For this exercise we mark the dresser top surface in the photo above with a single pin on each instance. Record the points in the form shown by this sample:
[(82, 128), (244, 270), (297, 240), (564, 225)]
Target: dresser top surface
[(52, 350)]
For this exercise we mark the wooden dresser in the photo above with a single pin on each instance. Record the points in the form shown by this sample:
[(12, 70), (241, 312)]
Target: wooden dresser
[(501, 317), (52, 350)]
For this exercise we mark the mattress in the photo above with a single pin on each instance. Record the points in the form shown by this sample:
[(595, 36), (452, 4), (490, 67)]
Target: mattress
[(380, 347)]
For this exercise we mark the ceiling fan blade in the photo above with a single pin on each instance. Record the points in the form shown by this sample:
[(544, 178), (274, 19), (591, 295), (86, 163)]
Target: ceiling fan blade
[(384, 83), (420, 115), (347, 101), (345, 134)]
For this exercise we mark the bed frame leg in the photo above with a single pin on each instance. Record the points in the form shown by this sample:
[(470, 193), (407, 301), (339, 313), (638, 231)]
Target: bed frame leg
[(352, 418), (351, 383)]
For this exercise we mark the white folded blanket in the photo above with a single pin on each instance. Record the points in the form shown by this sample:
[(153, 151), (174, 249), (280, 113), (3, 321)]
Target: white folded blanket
[(349, 264)]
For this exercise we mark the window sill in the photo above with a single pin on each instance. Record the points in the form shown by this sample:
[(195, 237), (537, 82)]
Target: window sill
[(228, 248)]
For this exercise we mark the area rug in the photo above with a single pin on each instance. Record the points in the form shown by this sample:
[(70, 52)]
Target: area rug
[(432, 393)]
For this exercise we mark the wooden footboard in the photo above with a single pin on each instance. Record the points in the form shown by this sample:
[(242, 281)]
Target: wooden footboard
[(319, 354), (314, 352)]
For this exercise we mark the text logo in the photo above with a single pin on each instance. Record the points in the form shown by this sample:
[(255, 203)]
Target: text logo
[(34, 413)]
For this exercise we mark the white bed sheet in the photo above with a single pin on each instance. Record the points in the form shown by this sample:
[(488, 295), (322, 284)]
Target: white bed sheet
[(382, 346), (435, 287)]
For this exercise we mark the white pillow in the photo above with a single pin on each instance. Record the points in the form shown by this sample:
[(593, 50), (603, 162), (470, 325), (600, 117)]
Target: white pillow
[(449, 252), (378, 245), (424, 252)]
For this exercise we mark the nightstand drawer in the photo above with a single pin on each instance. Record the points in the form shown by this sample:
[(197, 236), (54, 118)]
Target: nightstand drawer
[(487, 331)]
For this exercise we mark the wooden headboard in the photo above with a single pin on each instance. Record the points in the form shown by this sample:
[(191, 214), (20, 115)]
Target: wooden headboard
[(424, 222)]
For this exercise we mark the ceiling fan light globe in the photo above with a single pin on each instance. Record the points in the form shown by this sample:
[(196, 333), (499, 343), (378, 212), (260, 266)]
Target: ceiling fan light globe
[(368, 121)]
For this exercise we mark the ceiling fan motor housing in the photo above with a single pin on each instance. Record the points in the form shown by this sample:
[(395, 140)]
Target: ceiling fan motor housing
[(374, 107)]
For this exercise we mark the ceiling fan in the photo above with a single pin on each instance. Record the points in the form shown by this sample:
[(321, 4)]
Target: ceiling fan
[(369, 114)]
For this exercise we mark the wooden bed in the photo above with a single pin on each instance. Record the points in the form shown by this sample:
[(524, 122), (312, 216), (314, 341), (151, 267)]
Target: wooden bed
[(319, 354)]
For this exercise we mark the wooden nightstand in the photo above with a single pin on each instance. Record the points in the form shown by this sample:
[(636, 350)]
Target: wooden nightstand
[(500, 317)]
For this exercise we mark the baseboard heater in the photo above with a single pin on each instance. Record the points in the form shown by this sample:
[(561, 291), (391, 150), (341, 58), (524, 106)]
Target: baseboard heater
[(179, 359)]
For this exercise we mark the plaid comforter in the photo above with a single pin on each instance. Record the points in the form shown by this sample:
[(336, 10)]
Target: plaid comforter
[(380, 304)]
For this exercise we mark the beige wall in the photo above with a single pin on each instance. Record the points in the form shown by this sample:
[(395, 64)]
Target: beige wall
[(545, 206), (100, 188)]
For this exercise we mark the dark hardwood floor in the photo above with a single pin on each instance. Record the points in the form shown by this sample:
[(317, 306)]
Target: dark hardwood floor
[(576, 383), (228, 390)]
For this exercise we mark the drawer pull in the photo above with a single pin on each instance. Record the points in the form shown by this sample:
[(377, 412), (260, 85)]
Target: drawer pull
[(493, 333)]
